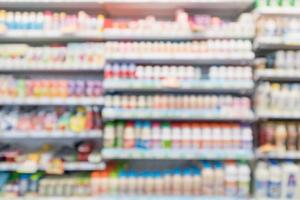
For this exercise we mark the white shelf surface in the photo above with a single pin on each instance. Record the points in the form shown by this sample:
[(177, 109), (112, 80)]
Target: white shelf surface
[(185, 60), (36, 134), (283, 11), (236, 86), (114, 5), (274, 43), (293, 155), (36, 36), (116, 153), (175, 114), (72, 166), (129, 197), (280, 74), (12, 68), (51, 101), (278, 115)]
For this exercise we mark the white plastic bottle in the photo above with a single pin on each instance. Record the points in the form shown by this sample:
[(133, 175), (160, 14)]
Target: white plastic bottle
[(219, 179), (290, 180), (274, 189), (243, 180), (208, 179), (261, 180), (231, 173)]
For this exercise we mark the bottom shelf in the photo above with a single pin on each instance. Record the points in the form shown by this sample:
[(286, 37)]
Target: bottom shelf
[(116, 153), (123, 198)]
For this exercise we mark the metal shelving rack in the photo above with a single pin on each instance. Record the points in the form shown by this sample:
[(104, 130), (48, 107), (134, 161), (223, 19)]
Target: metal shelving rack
[(113, 8)]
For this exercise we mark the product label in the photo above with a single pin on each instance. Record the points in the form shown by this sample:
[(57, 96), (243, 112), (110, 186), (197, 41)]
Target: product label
[(291, 187), (274, 189), (261, 188)]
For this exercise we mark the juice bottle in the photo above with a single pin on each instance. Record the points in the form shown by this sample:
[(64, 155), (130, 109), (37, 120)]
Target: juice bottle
[(243, 180), (208, 176), (280, 137), (219, 179), (274, 185), (290, 181), (129, 136), (176, 136), (291, 137), (197, 182), (109, 135), (231, 173), (261, 180), (146, 135), (166, 136), (156, 136)]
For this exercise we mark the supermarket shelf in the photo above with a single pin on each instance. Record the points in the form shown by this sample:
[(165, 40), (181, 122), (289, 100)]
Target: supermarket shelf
[(72, 166), (129, 197), (49, 69), (278, 155), (177, 154), (39, 36), (176, 86), (286, 75), (49, 134), (278, 116), (275, 43), (174, 114), (54, 4), (51, 101), (184, 61), (113, 6), (289, 11), (127, 37)]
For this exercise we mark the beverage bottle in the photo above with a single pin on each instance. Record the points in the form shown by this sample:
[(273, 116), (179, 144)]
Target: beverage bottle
[(243, 180), (166, 136), (219, 179), (280, 137), (208, 176), (197, 182), (290, 180), (109, 135), (274, 184), (156, 136), (129, 136), (291, 137), (261, 180), (176, 136), (231, 186)]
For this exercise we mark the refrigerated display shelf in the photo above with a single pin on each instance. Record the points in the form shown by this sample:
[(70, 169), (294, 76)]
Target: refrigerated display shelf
[(289, 75), (125, 197), (277, 116), (183, 61), (51, 101), (279, 11), (37, 134), (275, 43), (186, 86), (175, 114), (52, 68), (116, 153), (38, 36), (278, 155), (114, 5), (72, 166)]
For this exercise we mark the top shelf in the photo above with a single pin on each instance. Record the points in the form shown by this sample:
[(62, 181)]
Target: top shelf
[(131, 7)]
